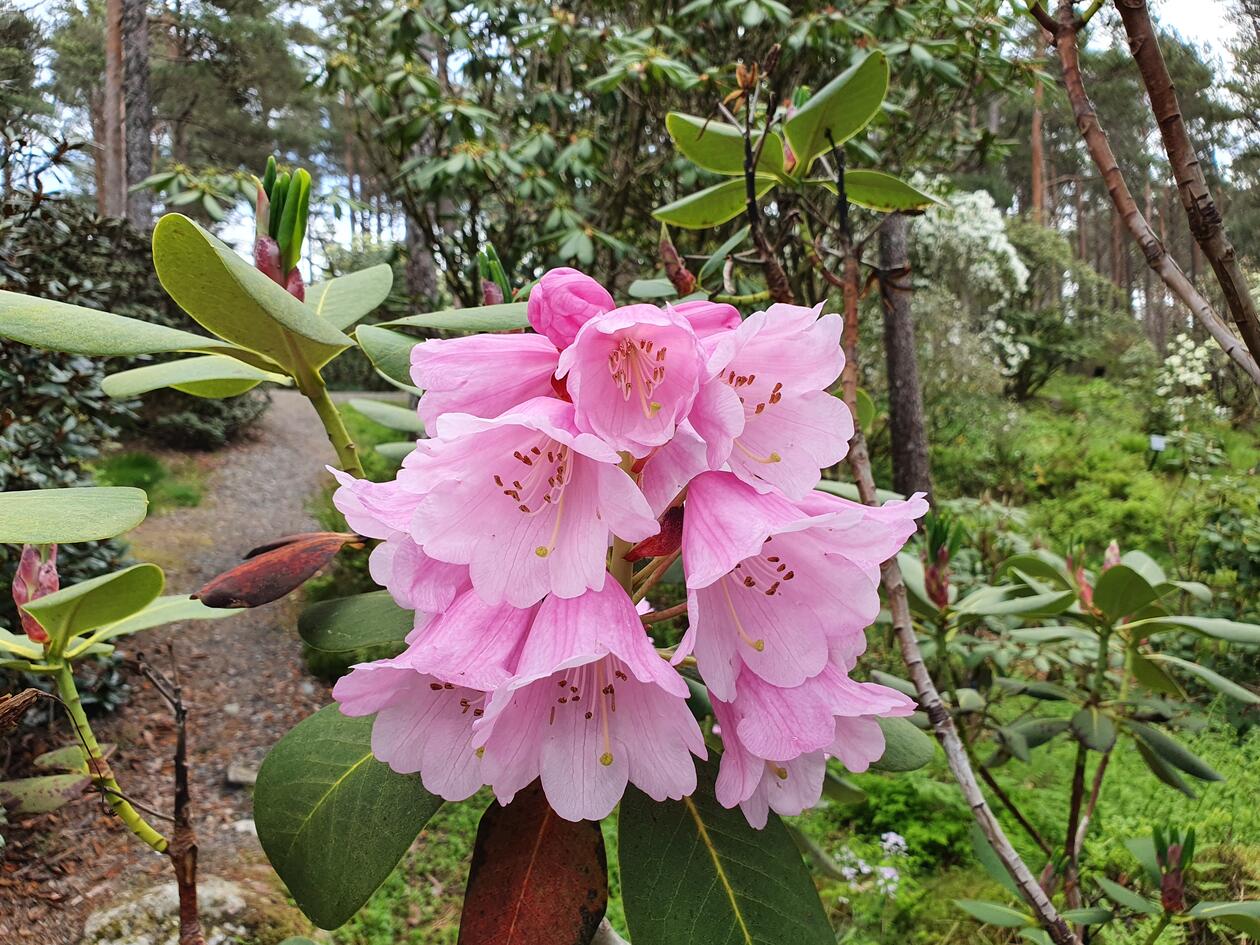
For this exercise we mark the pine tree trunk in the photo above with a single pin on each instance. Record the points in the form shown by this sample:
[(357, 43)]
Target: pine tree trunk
[(1038, 161), (420, 272), (138, 110), (912, 471), (115, 152)]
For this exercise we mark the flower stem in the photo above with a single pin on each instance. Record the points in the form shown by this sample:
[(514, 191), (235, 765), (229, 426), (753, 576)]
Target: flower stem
[(347, 452), (1159, 928), (102, 777)]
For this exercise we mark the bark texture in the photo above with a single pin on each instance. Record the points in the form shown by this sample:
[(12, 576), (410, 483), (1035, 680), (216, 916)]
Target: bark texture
[(138, 110), (115, 162), (912, 470)]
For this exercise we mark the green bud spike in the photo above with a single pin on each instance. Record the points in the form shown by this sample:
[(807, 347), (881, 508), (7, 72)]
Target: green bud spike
[(269, 176), (293, 221), (492, 269), (279, 191)]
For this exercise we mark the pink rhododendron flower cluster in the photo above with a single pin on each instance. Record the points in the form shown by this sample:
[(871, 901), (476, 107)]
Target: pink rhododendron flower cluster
[(528, 659)]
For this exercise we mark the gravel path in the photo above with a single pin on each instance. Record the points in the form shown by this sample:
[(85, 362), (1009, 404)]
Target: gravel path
[(244, 682)]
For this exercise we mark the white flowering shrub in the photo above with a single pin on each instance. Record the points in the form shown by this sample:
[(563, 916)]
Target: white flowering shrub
[(965, 246), (1011, 353), (1182, 387)]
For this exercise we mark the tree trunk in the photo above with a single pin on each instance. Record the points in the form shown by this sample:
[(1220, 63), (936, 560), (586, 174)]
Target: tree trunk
[(138, 110), (115, 153), (421, 275), (911, 467), (1038, 161)]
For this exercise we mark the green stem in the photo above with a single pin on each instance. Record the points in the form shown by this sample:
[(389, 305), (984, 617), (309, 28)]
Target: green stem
[(762, 296), (102, 777), (1159, 927), (347, 452)]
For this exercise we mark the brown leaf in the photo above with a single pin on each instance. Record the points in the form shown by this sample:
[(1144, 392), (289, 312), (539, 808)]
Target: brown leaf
[(666, 541), (536, 879), (13, 707), (273, 570)]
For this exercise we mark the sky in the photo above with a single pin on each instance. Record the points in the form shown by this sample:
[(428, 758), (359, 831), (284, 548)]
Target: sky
[(1203, 22)]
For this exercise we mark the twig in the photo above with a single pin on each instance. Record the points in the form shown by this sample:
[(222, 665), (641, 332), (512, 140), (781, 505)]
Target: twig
[(654, 575), (1063, 31), (658, 615), (987, 776), (1201, 210)]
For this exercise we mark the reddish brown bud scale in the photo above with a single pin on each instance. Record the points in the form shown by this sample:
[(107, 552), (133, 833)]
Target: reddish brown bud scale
[(665, 542), (273, 570)]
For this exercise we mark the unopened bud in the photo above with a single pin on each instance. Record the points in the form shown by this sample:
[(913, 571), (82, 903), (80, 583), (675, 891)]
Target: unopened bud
[(267, 258), (36, 576), (1111, 557), (294, 285), (491, 293), (681, 278)]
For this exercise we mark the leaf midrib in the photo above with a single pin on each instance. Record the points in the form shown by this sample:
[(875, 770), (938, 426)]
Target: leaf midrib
[(306, 821), (703, 834)]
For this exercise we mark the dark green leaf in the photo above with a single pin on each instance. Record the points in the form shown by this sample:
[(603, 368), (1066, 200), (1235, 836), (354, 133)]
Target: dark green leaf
[(695, 873), (1094, 728), (1173, 752), (988, 859), (1121, 591), (1143, 850), (1122, 896), (1163, 771), (332, 819), (1216, 627), (347, 624), (1090, 916), (993, 913), (1213, 679)]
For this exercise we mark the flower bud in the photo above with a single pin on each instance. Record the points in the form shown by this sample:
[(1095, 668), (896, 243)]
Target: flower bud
[(491, 294), (563, 301), (267, 258), (36, 576), (1111, 557), (294, 285), (675, 268)]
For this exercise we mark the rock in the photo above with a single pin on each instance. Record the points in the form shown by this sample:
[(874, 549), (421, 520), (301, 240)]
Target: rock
[(240, 774), (245, 826), (232, 708), (152, 918)]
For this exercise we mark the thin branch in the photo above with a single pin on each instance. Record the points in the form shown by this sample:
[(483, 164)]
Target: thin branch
[(657, 616), (1205, 219), (987, 776)]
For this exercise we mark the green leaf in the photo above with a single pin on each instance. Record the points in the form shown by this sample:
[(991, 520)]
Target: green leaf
[(20, 644), (1039, 564), (1120, 591), (172, 608), (332, 819), (97, 602), (1213, 679), (1093, 915), (1144, 565), (397, 451), (348, 624), (211, 375), (989, 602), (507, 316), (712, 206), (719, 147), (65, 516), (1143, 850), (865, 410), (342, 301), (68, 758), (1163, 771), (695, 873), (1173, 752), (1243, 916), (1038, 690), (878, 191), (58, 326), (1123, 896), (993, 913), (988, 858), (1199, 591), (715, 262), (1152, 676), (1052, 635), (651, 289), (394, 416), (1094, 729), (1036, 732), (231, 298), (905, 747), (841, 790), (1230, 630), (849, 490), (43, 794), (843, 107), (390, 353)]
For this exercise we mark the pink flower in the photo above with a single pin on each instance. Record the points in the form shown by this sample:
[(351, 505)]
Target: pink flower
[(1111, 557), (592, 707), (525, 500), (708, 318), (633, 374), (868, 534), (563, 301), (775, 369), (36, 576), (667, 469), (767, 585), (423, 724), (483, 375)]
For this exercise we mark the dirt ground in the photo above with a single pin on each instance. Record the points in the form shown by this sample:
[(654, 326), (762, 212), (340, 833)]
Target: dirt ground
[(244, 683)]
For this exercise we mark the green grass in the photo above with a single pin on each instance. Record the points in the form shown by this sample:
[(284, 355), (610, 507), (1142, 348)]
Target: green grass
[(178, 486)]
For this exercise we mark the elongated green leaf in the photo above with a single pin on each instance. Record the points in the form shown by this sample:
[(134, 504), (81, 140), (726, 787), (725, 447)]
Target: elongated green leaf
[(905, 747), (718, 146), (20, 644), (390, 353), (1221, 629), (89, 513), (1199, 591), (878, 191), (58, 326), (208, 376), (507, 316), (715, 262), (1040, 564), (989, 602), (1152, 676), (1036, 732), (695, 873), (1052, 635), (397, 451), (163, 610), (347, 624), (1121, 591), (1122, 896), (988, 859), (1094, 915), (1164, 771), (1144, 565), (1213, 679), (43, 794), (97, 602), (1094, 728), (1173, 752), (1038, 690), (849, 490), (837, 111), (231, 298), (394, 416), (343, 300), (332, 819), (712, 206), (994, 913), (1241, 916)]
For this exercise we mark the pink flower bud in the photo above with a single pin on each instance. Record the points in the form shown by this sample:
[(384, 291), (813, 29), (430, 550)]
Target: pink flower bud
[(294, 285), (1111, 557), (563, 301), (262, 212), (35, 577), (491, 294), (267, 258), (1086, 589)]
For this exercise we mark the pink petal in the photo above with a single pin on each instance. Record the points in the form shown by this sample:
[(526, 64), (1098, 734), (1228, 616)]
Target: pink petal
[(789, 442), (858, 744), (670, 467), (482, 375), (562, 301), (472, 644), (707, 317), (373, 509), (718, 417), (416, 581)]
